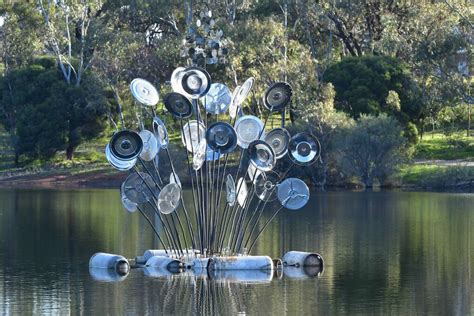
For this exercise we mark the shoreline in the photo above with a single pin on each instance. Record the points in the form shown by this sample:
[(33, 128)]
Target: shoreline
[(107, 179)]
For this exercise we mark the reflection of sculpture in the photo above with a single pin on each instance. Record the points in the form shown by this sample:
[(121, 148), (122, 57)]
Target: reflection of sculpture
[(211, 225)]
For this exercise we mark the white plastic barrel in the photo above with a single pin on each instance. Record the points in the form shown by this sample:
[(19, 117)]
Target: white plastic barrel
[(153, 272), (302, 272), (106, 275), (161, 262), (302, 259), (241, 263), (242, 276), (200, 264), (102, 260)]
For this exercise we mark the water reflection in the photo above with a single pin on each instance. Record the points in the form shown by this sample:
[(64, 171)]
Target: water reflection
[(402, 253)]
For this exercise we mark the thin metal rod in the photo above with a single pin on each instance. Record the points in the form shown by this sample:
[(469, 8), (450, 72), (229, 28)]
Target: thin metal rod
[(154, 198), (153, 227), (192, 184), (263, 228)]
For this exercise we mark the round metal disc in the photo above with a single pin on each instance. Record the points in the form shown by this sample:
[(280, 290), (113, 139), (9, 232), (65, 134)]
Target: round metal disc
[(121, 165), (178, 105), (265, 186), (218, 99), (253, 172), (244, 91), (139, 189), (234, 107), (304, 149), (293, 193), (127, 204), (161, 134), (221, 137), (199, 154), (248, 129), (144, 92), (278, 139), (169, 197), (192, 134), (230, 190), (261, 155), (175, 179), (278, 96), (126, 145), (243, 191), (195, 82), (150, 145), (176, 80)]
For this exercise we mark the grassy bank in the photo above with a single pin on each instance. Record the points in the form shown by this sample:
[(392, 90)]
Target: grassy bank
[(439, 146)]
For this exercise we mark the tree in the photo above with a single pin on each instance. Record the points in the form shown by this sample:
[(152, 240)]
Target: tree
[(365, 84), (326, 123), (49, 114), (19, 40), (373, 148)]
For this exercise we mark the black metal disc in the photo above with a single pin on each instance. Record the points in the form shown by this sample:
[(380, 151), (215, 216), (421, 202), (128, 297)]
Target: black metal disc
[(278, 96), (278, 139), (178, 105), (304, 149), (126, 145), (196, 82), (261, 155), (221, 137)]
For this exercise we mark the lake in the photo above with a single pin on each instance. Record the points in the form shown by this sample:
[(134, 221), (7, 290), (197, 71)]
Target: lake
[(385, 252)]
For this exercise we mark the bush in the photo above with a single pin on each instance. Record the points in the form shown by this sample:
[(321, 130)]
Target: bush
[(372, 149)]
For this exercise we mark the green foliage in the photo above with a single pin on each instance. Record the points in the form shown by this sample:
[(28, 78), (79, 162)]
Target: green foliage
[(373, 148), (48, 115), (363, 86), (326, 123), (438, 146)]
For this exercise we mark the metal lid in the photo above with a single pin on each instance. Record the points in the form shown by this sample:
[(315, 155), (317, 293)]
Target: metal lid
[(140, 188), (195, 82), (169, 197), (244, 91), (221, 137), (304, 149), (278, 139), (199, 154), (192, 134), (293, 193), (161, 133), (218, 99), (126, 145), (176, 80), (127, 204), (150, 145), (119, 164), (278, 96), (266, 186), (234, 107), (261, 155), (248, 129), (242, 191), (178, 105), (230, 190), (144, 92)]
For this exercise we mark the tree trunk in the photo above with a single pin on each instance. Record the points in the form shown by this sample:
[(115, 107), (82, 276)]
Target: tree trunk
[(17, 158), (70, 152)]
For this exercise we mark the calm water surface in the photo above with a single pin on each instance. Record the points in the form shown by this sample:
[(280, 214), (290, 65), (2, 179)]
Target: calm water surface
[(385, 252)]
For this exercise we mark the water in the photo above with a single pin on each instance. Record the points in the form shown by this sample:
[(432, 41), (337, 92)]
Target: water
[(385, 252)]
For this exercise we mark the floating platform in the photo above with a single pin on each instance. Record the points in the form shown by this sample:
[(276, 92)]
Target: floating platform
[(242, 268)]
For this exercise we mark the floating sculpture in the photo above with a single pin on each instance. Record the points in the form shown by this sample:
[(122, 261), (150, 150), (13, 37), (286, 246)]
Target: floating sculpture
[(218, 225)]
